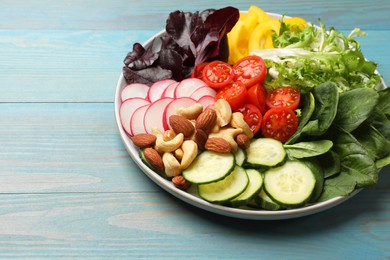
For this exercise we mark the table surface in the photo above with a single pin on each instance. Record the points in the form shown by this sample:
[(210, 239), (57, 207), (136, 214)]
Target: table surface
[(68, 188)]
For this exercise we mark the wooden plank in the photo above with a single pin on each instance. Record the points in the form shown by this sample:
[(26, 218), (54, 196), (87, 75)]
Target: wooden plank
[(139, 225), (121, 14), (84, 66), (64, 147)]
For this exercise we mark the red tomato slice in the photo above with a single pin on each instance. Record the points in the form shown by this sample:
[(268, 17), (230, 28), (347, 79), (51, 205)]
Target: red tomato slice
[(288, 97), (257, 95), (279, 123), (198, 70), (250, 70), (252, 116), (218, 74), (235, 94)]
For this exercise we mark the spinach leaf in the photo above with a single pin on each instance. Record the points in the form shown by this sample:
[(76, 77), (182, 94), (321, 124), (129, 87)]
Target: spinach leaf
[(326, 97), (307, 105), (373, 141), (354, 107), (308, 149), (380, 121), (339, 185), (355, 160), (384, 104), (330, 163)]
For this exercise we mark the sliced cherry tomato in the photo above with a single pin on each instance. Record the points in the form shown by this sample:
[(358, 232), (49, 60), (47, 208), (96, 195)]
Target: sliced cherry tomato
[(257, 95), (252, 116), (279, 123), (198, 70), (235, 94), (288, 97), (218, 74), (250, 70)]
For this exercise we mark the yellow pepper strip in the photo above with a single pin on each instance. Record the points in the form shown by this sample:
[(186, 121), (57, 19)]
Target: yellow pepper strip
[(238, 42), (263, 30), (301, 23), (262, 16)]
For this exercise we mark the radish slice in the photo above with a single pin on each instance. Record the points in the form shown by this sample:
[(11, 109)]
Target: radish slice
[(127, 109), (137, 120), (134, 90), (154, 114), (203, 91), (173, 106), (157, 89), (170, 90), (206, 101), (188, 86)]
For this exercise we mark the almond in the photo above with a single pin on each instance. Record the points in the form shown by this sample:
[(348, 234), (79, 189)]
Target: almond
[(144, 140), (180, 124), (180, 182), (218, 144), (200, 138), (243, 141), (154, 159), (206, 120)]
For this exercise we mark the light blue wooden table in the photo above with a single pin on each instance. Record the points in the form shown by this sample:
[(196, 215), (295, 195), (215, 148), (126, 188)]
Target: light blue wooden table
[(68, 188)]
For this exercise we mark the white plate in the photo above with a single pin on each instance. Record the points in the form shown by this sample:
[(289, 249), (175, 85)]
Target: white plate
[(200, 203)]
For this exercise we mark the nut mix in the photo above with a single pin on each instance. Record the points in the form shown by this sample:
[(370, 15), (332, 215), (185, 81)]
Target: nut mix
[(193, 130)]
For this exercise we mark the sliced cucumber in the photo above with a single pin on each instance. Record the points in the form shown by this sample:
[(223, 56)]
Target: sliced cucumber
[(291, 184), (240, 157), (318, 173), (253, 188), (226, 189), (265, 202), (209, 167), (265, 152)]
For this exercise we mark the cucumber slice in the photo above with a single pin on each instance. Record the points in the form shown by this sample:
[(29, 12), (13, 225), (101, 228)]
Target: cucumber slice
[(265, 202), (226, 189), (253, 188), (265, 152), (240, 157), (209, 167), (291, 184)]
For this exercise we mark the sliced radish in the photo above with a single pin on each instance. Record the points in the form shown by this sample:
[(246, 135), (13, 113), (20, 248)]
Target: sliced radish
[(157, 89), (137, 120), (203, 91), (134, 90), (127, 109), (188, 86), (173, 106), (154, 114), (206, 101), (170, 90)]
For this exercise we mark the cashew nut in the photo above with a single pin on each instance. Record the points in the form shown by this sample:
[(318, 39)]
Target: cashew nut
[(169, 135), (229, 134), (239, 122), (191, 112), (190, 151), (168, 146), (224, 112), (171, 165), (179, 154)]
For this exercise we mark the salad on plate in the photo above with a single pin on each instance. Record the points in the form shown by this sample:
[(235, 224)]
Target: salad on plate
[(256, 111)]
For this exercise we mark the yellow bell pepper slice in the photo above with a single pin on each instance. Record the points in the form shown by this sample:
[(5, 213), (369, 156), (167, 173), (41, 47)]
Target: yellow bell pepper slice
[(300, 22), (262, 34), (262, 16), (238, 42)]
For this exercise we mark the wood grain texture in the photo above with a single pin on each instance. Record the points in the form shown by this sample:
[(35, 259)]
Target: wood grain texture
[(127, 226), (68, 188)]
